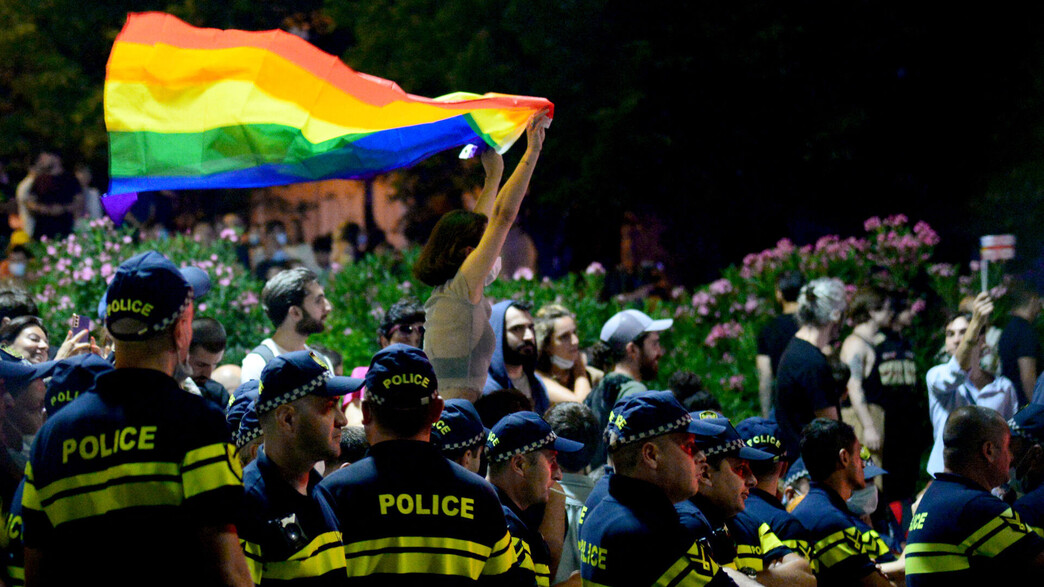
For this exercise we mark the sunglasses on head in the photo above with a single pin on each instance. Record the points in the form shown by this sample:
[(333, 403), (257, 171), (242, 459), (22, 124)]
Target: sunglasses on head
[(406, 329)]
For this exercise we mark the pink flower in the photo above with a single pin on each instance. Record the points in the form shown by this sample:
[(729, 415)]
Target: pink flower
[(896, 220), (88, 273), (51, 250), (751, 304), (203, 307), (248, 298), (127, 239), (720, 287), (214, 257), (348, 331), (524, 273), (225, 282), (973, 265), (736, 381), (595, 268), (106, 270), (918, 306), (872, 223), (228, 234)]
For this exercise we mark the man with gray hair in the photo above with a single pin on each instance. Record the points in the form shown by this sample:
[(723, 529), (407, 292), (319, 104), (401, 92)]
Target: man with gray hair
[(297, 306), (805, 386)]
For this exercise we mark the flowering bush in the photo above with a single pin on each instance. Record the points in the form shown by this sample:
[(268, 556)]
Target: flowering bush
[(70, 276), (715, 326)]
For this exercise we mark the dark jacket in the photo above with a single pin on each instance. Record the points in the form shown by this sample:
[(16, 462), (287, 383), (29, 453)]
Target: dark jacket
[(498, 377)]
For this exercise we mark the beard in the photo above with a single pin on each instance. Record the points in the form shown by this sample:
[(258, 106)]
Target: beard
[(648, 367), (524, 355), (309, 325)]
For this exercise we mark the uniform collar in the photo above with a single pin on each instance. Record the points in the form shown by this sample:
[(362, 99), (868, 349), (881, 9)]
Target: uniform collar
[(833, 496), (709, 511), (641, 496), (275, 484), (767, 497)]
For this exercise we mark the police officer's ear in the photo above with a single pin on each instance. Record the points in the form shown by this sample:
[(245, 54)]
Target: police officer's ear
[(286, 417), (649, 453), (517, 465), (183, 331)]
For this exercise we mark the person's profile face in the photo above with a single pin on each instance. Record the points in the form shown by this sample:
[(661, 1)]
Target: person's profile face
[(955, 333), (564, 341)]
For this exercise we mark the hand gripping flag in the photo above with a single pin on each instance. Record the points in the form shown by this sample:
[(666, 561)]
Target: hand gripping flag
[(190, 108)]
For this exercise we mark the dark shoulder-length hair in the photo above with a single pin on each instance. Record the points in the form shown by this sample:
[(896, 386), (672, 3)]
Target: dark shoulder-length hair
[(447, 246), (12, 329)]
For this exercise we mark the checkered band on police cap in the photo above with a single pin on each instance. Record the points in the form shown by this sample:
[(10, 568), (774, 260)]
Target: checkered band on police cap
[(241, 438), (293, 395), (532, 446), (614, 439), (469, 443)]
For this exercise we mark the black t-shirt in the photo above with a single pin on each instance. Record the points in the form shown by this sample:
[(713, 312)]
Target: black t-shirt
[(774, 337), (1018, 340), (804, 384)]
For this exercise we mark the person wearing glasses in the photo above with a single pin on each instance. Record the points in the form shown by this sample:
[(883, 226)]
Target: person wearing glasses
[(403, 323), (738, 542)]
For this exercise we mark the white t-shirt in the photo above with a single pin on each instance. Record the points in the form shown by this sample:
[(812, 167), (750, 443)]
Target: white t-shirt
[(949, 388), (254, 363)]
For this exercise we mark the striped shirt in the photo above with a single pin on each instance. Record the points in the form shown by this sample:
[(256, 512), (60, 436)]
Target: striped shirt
[(120, 481)]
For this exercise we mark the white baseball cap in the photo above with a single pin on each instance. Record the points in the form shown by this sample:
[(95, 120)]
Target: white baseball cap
[(628, 325)]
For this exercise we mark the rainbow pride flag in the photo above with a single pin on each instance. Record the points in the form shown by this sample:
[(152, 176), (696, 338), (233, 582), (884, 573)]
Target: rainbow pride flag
[(204, 108)]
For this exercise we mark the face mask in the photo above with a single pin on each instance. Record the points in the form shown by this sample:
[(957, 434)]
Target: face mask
[(561, 363), (17, 269), (494, 272), (281, 238), (863, 501), (279, 256)]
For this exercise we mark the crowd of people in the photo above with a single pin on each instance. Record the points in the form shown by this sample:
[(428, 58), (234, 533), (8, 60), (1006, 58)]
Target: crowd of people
[(482, 445)]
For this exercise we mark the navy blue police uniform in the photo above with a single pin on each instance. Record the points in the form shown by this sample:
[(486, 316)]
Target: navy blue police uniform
[(120, 481), (632, 537), (761, 508), (69, 378), (290, 538), (963, 535), (737, 542), (518, 434), (1028, 424), (407, 510), (842, 550)]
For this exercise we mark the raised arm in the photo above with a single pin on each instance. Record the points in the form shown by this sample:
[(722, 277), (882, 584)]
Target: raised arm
[(980, 317), (764, 366), (505, 209), (493, 163)]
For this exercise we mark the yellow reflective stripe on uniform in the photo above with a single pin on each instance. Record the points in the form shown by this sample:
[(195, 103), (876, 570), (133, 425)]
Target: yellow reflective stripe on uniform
[(16, 574), (693, 568), (210, 467), (997, 534), (748, 556), (799, 546), (990, 540), (416, 554), (501, 557), (1038, 530), (321, 556), (524, 557), (112, 476), (543, 575), (928, 557), (769, 540), (109, 499), (836, 547), (252, 554), (30, 498)]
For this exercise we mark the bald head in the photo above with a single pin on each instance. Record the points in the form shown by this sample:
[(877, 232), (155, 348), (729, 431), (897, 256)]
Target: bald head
[(976, 437)]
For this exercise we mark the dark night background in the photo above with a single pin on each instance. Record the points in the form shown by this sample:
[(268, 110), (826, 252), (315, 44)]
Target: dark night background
[(731, 124)]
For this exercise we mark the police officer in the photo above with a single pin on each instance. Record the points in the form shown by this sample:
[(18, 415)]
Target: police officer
[(758, 552), (460, 435), (1027, 451), (632, 537), (406, 509), (287, 535), (522, 466), (128, 484), (961, 534), (68, 379), (241, 416), (840, 556), (762, 503)]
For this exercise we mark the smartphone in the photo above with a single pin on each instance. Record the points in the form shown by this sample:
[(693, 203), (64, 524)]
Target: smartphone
[(80, 323)]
